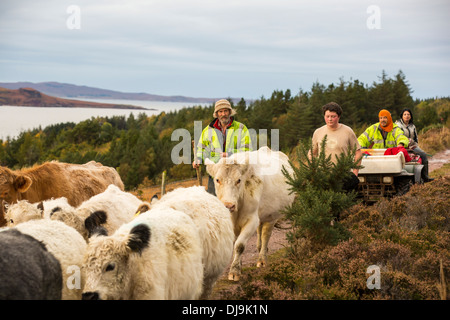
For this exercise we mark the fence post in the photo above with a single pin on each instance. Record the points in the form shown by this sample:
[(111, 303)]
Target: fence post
[(163, 183)]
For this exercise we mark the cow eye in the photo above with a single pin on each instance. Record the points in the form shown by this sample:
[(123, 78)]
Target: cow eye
[(239, 181), (110, 267), (217, 180), (11, 221)]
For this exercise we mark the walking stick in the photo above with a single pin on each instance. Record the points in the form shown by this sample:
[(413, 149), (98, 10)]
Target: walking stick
[(199, 172)]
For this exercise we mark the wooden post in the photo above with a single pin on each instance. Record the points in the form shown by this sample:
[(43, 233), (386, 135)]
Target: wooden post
[(199, 172), (163, 183)]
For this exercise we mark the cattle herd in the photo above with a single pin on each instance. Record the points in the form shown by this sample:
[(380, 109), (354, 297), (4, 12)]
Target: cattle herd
[(71, 231)]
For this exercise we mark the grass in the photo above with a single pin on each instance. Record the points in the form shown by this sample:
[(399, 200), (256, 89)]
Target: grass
[(435, 140)]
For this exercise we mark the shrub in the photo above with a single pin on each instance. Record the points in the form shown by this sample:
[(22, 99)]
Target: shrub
[(317, 183), (407, 237)]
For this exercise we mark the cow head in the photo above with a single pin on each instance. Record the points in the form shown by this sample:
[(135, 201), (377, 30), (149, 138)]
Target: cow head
[(108, 271), (12, 184), (21, 211), (231, 180)]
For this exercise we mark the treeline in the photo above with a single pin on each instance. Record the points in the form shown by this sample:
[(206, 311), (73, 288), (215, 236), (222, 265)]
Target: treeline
[(140, 147)]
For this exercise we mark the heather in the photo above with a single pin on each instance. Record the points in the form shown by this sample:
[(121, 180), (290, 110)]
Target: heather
[(407, 237)]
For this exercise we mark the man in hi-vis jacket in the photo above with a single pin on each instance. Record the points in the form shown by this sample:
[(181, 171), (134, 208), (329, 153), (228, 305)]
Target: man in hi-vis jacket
[(221, 138)]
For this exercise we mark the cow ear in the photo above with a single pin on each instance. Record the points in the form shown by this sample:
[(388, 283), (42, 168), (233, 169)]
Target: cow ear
[(40, 206), (139, 238), (5, 206), (94, 221), (22, 183), (210, 167)]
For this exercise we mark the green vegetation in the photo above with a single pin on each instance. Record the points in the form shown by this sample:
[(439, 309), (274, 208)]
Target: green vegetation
[(317, 183), (407, 237), (140, 147)]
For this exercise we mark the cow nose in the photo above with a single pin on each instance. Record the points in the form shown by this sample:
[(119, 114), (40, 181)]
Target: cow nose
[(230, 206), (90, 296)]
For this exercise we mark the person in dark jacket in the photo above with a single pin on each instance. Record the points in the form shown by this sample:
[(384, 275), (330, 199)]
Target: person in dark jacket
[(406, 123)]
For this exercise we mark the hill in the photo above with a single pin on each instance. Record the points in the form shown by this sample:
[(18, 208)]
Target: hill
[(33, 98), (75, 91)]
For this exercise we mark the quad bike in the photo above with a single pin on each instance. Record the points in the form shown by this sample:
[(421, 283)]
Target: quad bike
[(387, 175)]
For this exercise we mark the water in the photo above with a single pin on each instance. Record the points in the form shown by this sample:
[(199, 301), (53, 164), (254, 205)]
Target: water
[(14, 119)]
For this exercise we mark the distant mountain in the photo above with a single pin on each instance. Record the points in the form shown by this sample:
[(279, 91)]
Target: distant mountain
[(33, 98), (66, 90)]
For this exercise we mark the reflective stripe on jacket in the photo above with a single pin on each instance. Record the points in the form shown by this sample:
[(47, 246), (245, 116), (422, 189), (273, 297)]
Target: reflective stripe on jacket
[(210, 144), (373, 135)]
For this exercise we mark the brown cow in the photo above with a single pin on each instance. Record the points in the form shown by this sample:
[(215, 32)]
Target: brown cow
[(56, 179)]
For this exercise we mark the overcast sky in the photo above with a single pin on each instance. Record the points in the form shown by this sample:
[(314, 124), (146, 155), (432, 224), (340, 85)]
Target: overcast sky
[(226, 48)]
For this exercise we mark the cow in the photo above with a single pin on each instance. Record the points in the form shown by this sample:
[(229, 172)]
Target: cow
[(214, 225), (156, 256), (111, 208), (57, 179), (21, 211), (66, 245), (252, 186), (28, 270)]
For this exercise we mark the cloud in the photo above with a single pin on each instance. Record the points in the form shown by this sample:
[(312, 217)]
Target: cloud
[(197, 47)]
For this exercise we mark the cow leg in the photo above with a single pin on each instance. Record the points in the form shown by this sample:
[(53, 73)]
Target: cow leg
[(246, 233), (258, 240), (266, 232)]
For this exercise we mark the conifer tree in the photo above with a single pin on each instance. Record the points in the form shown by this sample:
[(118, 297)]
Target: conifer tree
[(317, 183)]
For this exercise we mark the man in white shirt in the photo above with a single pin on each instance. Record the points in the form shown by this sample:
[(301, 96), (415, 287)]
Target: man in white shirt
[(339, 139)]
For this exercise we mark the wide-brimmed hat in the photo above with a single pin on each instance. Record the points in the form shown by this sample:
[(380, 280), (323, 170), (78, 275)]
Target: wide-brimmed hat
[(223, 104)]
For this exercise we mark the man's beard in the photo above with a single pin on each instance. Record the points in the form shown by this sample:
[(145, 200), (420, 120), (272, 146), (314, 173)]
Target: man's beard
[(224, 120)]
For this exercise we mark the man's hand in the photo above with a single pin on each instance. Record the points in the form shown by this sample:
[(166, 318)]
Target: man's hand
[(196, 164)]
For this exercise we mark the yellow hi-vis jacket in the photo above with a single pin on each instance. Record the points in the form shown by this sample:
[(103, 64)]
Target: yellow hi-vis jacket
[(373, 135), (211, 142)]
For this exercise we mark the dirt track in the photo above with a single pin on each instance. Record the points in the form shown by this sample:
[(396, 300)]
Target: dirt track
[(438, 160)]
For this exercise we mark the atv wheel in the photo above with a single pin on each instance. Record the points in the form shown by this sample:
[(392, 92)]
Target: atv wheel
[(402, 185)]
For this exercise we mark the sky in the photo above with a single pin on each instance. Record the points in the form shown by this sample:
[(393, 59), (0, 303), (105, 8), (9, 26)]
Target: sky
[(219, 49)]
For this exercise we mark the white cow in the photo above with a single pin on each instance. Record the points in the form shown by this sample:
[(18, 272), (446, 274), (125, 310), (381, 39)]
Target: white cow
[(23, 210), (49, 207), (214, 225), (111, 209), (158, 255), (253, 188), (68, 247)]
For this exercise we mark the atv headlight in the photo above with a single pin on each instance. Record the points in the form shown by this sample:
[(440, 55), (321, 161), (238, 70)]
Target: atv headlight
[(387, 180)]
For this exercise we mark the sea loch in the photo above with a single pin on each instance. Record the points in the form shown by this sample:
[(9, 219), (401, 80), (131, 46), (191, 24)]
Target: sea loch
[(14, 119)]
